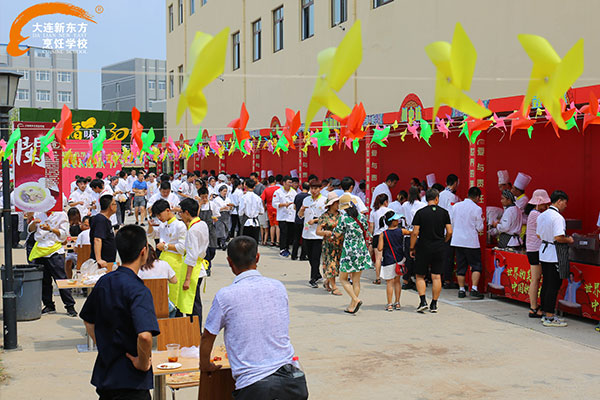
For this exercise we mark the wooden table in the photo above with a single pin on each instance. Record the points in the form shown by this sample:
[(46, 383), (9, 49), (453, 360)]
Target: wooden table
[(64, 284), (218, 385)]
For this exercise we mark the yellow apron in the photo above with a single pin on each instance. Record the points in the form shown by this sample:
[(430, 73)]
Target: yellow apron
[(176, 262), (185, 301), (39, 251)]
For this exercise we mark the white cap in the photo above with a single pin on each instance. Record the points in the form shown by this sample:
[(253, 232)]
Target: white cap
[(294, 173), (431, 180), (522, 181), (503, 177), (263, 174)]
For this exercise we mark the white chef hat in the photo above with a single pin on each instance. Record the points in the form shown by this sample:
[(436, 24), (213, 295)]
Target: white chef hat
[(522, 181), (431, 180), (503, 177)]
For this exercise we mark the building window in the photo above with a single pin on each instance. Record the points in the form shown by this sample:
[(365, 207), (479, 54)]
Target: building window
[(63, 76), (151, 84), (118, 89), (192, 6), (117, 106), (64, 97), (308, 19), (42, 53), (339, 12), (22, 94), (180, 77), (42, 95), (171, 85), (180, 12), (278, 29), (162, 85), (256, 40), (236, 50), (25, 74), (171, 18), (42, 75), (379, 3)]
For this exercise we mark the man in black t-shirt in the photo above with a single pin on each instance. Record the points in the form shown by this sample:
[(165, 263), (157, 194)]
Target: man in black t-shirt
[(429, 225), (102, 236)]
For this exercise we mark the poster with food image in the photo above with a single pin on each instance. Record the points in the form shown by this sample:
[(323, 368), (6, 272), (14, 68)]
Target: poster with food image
[(37, 179)]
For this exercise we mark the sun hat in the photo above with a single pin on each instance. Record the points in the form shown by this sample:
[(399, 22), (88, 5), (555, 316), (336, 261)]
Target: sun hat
[(395, 217), (540, 196), (345, 201), (331, 198)]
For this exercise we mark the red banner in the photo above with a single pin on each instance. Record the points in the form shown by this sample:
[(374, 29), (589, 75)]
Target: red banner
[(37, 179), (372, 171), (477, 178), (302, 165), (509, 274)]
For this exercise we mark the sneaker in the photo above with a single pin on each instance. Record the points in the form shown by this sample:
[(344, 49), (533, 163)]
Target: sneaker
[(313, 284), (450, 285), (462, 294), (476, 295), (410, 285), (48, 310), (71, 312), (422, 308), (553, 322), (284, 253), (433, 308)]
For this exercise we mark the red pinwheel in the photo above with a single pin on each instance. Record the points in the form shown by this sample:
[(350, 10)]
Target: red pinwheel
[(566, 115), (64, 127), (590, 112), (350, 126), (518, 121), (136, 128), (292, 124), (477, 124), (239, 125)]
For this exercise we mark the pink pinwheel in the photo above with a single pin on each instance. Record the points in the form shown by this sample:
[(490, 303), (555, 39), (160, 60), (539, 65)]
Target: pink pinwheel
[(442, 127), (213, 144), (499, 122), (173, 148), (413, 128)]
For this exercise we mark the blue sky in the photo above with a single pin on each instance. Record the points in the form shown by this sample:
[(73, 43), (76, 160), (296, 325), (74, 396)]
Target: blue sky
[(125, 29)]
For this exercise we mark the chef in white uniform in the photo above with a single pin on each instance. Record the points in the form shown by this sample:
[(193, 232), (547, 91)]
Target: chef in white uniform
[(504, 180)]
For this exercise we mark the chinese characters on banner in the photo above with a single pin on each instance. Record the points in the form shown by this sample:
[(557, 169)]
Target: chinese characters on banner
[(477, 178), (302, 165), (256, 163), (37, 181), (372, 172), (62, 36)]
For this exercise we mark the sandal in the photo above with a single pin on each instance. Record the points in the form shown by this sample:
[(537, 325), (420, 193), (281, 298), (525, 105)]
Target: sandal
[(377, 281), (326, 286), (336, 292), (533, 313), (397, 306), (389, 307)]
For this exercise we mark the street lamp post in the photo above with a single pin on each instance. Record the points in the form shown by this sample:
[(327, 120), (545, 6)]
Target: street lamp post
[(8, 92)]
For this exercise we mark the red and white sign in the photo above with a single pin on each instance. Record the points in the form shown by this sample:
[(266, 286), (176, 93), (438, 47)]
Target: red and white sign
[(37, 179)]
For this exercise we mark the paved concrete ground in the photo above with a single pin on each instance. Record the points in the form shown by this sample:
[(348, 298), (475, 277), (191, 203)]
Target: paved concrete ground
[(469, 350)]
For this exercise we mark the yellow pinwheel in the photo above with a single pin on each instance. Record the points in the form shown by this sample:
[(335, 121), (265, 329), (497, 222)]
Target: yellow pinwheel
[(336, 66), (207, 62), (455, 65), (551, 77)]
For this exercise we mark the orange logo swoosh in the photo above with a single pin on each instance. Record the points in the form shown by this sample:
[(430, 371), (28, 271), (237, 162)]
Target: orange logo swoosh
[(37, 11)]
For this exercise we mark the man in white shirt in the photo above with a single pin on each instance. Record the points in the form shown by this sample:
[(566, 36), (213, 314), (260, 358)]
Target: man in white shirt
[(313, 207), (283, 202), (51, 229), (251, 206), (196, 243), (80, 198), (466, 226), (74, 184), (84, 237), (185, 189), (122, 195), (385, 187), (347, 186), (551, 228), (164, 193), (152, 186)]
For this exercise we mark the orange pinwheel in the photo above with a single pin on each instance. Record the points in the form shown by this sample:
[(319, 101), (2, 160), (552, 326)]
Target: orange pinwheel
[(239, 125), (64, 127), (478, 124), (350, 126), (566, 115), (292, 125), (136, 128), (519, 121), (591, 112)]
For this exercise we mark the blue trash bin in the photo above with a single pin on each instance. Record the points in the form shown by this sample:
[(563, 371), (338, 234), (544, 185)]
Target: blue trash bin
[(28, 289)]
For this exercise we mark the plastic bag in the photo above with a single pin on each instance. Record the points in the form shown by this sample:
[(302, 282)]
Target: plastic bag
[(190, 352), (90, 267)]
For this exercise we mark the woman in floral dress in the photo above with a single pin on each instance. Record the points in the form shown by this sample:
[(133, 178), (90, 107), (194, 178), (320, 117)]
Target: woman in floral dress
[(332, 244), (355, 253)]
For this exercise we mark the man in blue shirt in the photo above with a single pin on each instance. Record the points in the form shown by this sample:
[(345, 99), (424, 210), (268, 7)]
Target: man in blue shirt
[(139, 189), (255, 315), (119, 315)]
